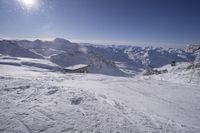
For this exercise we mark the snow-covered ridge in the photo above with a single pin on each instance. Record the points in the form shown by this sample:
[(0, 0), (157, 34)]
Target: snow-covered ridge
[(12, 49), (184, 72)]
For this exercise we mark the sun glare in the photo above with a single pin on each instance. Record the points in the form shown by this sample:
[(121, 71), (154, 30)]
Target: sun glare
[(28, 3)]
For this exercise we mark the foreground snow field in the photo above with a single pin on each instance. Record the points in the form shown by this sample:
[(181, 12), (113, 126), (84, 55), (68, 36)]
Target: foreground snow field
[(33, 100)]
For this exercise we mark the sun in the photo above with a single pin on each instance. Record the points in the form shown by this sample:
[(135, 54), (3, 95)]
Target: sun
[(28, 3)]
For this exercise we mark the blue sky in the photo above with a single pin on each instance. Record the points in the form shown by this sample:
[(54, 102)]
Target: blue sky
[(161, 22)]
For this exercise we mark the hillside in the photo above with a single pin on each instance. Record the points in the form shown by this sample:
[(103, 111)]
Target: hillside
[(11, 48), (185, 73)]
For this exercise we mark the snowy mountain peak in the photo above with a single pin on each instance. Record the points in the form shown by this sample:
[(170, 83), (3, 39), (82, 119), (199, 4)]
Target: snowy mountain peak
[(61, 41), (38, 41)]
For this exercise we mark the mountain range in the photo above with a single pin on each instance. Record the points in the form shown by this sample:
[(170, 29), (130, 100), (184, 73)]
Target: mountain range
[(110, 60)]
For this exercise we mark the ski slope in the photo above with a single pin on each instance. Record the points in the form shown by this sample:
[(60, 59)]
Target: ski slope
[(33, 100)]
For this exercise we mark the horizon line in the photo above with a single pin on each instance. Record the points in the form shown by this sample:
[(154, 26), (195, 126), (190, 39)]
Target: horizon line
[(106, 42)]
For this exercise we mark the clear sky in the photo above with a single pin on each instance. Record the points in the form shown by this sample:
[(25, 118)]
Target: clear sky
[(117, 21)]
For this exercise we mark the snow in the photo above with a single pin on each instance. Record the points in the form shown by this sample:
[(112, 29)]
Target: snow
[(183, 73), (109, 60), (137, 58), (8, 47), (38, 63), (35, 96), (41, 101), (75, 67)]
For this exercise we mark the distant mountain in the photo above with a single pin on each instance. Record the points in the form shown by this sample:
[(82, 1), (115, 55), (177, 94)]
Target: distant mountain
[(195, 49), (12, 49), (110, 60), (133, 58)]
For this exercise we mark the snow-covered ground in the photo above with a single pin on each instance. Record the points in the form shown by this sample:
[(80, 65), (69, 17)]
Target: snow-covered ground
[(183, 72), (33, 100)]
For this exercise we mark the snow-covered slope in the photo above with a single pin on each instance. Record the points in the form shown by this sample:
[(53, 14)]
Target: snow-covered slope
[(184, 72), (12, 49), (37, 101), (34, 63)]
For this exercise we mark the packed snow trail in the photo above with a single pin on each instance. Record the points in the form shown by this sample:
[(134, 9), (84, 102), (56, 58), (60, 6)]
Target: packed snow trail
[(33, 100)]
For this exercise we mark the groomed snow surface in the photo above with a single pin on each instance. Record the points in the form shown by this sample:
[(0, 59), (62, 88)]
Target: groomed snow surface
[(33, 100)]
